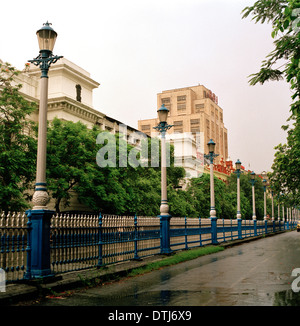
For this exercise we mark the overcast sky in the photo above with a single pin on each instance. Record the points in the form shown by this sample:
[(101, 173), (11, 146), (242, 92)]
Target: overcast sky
[(138, 48)]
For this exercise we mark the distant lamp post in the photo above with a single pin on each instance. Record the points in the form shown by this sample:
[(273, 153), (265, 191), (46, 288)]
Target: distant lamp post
[(40, 217), (252, 175), (211, 155), (238, 172), (162, 127), (265, 184), (272, 194), (279, 206)]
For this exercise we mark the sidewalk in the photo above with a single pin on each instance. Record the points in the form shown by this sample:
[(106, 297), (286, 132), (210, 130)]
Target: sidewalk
[(28, 290)]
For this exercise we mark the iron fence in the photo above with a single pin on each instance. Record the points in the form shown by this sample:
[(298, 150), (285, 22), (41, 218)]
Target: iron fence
[(85, 241), (13, 245), (79, 242)]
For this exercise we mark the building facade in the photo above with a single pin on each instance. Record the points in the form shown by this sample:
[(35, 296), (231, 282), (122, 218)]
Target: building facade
[(195, 111), (70, 98)]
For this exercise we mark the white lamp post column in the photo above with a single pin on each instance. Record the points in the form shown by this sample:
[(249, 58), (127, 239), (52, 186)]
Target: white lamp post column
[(211, 148), (238, 172), (46, 38), (264, 175), (252, 175), (164, 207), (38, 260)]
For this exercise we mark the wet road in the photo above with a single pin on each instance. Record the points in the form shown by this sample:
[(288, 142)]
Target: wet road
[(257, 273)]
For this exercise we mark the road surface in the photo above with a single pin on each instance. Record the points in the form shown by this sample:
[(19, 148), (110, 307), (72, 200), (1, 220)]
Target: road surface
[(258, 273)]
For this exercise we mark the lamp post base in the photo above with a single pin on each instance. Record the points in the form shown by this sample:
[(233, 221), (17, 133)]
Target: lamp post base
[(40, 242), (165, 234)]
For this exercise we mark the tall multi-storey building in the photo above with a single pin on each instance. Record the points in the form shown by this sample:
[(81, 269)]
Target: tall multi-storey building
[(195, 110), (196, 115)]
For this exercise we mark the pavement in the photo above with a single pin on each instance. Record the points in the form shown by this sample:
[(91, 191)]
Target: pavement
[(30, 290)]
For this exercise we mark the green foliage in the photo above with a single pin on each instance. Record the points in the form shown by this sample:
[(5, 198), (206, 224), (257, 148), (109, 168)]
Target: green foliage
[(177, 258), (72, 170), (284, 15), (17, 146), (285, 176)]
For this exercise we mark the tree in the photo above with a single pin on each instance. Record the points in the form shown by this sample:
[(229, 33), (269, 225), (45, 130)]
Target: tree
[(86, 161), (71, 152), (17, 143), (246, 195), (284, 15), (285, 177)]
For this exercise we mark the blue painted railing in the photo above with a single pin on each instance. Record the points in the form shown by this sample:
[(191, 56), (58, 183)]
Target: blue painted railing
[(13, 245), (79, 242)]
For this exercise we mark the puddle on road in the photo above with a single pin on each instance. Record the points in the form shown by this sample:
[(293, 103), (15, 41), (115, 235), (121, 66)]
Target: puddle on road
[(287, 298)]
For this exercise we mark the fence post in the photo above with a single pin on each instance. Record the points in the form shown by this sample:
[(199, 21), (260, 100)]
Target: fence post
[(27, 275), (185, 233), (136, 256), (239, 228), (214, 231), (100, 243), (266, 226), (200, 237), (39, 259), (255, 227), (165, 234)]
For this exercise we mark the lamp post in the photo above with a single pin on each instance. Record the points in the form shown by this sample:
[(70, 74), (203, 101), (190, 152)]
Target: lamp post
[(46, 39), (252, 175), (40, 216), (211, 149), (238, 172), (162, 127), (272, 194), (264, 175), (279, 206)]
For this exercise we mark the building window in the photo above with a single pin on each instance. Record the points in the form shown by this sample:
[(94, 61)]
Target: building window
[(195, 121), (181, 107), (181, 98), (146, 127), (216, 114), (195, 130), (199, 108), (78, 93), (167, 102), (178, 123)]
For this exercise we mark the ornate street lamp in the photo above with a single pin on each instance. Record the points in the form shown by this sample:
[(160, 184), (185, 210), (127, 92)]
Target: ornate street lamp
[(40, 217), (252, 175), (46, 39), (238, 172), (163, 127), (211, 155), (265, 184)]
